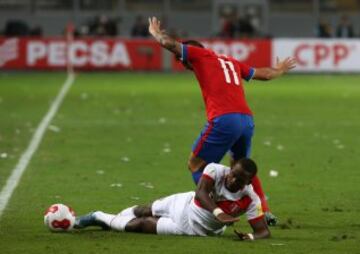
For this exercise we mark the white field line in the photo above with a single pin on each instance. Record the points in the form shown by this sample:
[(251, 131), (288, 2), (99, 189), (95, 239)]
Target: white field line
[(25, 158)]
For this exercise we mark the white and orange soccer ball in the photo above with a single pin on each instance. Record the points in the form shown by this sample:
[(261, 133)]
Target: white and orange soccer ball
[(59, 217)]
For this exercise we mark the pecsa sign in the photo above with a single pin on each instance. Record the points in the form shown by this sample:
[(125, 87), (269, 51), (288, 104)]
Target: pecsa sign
[(79, 53), (320, 55), (83, 54)]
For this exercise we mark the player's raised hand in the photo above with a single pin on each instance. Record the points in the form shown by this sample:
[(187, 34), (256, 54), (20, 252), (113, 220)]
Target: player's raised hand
[(226, 218), (285, 65), (154, 26)]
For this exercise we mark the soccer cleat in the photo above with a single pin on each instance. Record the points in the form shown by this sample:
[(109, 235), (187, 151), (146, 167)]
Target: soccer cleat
[(271, 219), (89, 220)]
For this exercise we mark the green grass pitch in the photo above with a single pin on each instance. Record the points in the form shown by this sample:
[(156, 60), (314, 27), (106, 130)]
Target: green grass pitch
[(124, 138)]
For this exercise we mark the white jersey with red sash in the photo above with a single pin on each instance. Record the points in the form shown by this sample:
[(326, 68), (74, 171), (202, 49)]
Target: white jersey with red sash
[(245, 201)]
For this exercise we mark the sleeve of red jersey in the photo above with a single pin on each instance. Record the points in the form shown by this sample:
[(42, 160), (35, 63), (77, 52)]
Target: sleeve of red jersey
[(191, 53), (247, 72)]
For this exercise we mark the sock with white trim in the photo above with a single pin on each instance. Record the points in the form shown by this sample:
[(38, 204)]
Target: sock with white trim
[(104, 217)]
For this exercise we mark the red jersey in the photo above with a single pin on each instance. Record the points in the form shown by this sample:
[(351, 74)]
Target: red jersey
[(220, 78)]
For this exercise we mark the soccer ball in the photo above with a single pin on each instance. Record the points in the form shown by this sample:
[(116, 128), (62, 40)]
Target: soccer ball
[(59, 217)]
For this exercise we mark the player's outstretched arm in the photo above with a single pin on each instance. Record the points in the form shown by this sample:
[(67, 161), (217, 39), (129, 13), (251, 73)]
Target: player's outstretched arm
[(260, 229), (202, 194), (165, 40), (281, 68)]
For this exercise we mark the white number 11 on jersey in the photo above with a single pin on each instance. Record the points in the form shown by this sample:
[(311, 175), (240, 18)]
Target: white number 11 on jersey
[(225, 65)]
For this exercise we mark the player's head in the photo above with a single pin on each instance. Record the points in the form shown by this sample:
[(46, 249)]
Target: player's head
[(240, 175), (194, 43)]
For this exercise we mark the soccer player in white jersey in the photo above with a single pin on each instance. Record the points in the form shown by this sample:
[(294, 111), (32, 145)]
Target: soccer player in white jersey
[(222, 195)]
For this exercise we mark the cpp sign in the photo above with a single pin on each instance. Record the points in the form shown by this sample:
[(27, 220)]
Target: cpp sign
[(321, 52), (320, 55)]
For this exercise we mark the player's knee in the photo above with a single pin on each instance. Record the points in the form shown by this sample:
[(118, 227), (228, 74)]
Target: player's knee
[(190, 166), (135, 225), (195, 164), (143, 211), (142, 225), (149, 225)]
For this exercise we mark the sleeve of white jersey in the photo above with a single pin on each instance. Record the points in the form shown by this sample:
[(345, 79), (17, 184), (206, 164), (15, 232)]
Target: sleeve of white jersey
[(254, 210), (210, 171)]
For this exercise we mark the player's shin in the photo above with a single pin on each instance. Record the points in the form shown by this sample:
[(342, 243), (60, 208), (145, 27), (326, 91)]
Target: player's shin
[(120, 221), (105, 218)]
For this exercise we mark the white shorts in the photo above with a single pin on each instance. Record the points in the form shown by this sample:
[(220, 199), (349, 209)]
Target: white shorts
[(173, 212), (180, 216)]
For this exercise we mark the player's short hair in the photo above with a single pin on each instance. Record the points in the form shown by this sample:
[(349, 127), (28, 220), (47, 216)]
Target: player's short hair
[(248, 165), (193, 43)]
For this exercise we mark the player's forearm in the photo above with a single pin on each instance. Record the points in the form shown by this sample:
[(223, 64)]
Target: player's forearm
[(205, 200), (260, 229), (268, 73), (167, 42), (261, 235)]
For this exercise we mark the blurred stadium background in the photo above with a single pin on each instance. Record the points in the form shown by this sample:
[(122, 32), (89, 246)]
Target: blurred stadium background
[(124, 130), (39, 25)]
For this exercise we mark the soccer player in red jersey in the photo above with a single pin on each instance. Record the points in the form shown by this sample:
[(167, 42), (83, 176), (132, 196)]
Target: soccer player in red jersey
[(230, 123)]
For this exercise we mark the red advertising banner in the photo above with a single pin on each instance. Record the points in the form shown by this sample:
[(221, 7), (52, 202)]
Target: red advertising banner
[(312, 55), (256, 53), (83, 54)]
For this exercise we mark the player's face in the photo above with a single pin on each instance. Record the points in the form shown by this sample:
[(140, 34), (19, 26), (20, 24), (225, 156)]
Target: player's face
[(237, 179)]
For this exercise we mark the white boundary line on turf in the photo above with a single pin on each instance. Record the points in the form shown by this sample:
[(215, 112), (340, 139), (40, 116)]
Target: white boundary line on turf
[(25, 158)]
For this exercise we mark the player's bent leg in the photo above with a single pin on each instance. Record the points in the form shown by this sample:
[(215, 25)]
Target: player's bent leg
[(142, 225), (196, 166), (214, 141)]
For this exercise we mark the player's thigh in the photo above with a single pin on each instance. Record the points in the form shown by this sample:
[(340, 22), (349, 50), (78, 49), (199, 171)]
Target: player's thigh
[(166, 226), (242, 147), (172, 205)]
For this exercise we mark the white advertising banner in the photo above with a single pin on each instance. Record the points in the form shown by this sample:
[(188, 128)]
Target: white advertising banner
[(319, 55)]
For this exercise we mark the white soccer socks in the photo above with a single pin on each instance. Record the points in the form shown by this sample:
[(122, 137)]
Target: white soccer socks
[(120, 221), (104, 217)]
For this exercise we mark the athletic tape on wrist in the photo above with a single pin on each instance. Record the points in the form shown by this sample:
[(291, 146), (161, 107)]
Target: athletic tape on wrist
[(217, 211)]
